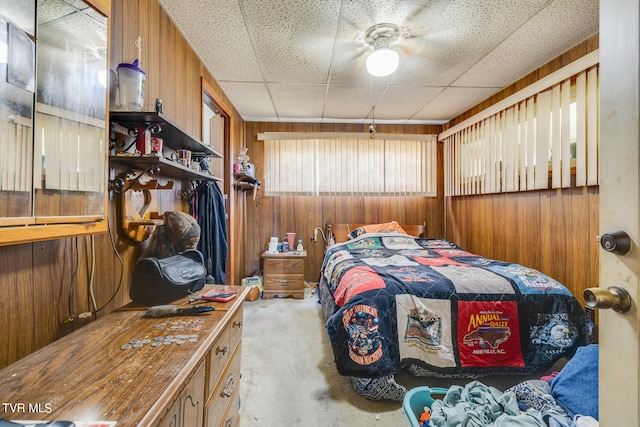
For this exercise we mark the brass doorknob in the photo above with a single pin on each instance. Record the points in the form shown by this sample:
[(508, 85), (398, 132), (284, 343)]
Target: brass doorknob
[(614, 297)]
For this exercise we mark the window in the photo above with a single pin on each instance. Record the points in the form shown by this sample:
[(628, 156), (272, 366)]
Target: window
[(549, 134), (347, 165)]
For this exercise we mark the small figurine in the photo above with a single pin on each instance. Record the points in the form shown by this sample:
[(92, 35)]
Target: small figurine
[(425, 417), (159, 107), (243, 158)]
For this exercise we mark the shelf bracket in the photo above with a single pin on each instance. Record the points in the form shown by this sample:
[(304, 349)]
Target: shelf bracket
[(125, 180), (135, 198)]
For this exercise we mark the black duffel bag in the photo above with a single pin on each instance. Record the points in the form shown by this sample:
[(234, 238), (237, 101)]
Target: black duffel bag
[(158, 281)]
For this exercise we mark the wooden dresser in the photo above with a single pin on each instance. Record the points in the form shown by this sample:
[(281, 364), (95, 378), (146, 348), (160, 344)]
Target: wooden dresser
[(136, 371), (283, 274)]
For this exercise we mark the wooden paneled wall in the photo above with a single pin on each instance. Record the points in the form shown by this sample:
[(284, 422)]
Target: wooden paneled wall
[(275, 216), (553, 231), (42, 284)]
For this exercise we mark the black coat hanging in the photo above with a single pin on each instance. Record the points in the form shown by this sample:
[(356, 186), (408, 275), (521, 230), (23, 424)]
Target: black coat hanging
[(207, 205)]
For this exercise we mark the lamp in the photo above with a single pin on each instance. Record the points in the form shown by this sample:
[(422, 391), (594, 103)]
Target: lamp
[(383, 60)]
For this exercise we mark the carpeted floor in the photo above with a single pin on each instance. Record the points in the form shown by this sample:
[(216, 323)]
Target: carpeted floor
[(289, 378)]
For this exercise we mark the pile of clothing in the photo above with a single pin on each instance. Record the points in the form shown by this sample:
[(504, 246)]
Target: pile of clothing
[(568, 398)]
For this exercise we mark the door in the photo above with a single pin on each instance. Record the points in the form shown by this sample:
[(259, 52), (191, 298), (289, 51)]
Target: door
[(619, 207)]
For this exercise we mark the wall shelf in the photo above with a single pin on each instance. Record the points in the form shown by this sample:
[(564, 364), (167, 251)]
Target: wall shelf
[(135, 198), (165, 166), (172, 135), (245, 182)]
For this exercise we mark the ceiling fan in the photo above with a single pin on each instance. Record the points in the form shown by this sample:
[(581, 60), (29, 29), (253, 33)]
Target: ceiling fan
[(383, 61)]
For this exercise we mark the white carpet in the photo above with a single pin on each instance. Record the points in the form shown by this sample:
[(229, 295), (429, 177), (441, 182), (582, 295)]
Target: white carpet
[(289, 378)]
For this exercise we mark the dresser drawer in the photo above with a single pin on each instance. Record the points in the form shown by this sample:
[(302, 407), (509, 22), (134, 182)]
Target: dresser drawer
[(188, 410), (284, 266), (219, 356), (235, 330), (225, 393), (232, 417)]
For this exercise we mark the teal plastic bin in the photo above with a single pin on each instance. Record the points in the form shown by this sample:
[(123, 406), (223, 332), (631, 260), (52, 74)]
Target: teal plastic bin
[(416, 399)]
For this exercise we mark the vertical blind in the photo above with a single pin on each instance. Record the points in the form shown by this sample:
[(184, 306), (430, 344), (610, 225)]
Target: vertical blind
[(16, 149), (69, 150), (520, 147), (317, 165)]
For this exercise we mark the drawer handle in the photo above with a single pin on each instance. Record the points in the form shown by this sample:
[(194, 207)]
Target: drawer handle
[(238, 324), (229, 387), (229, 423), (222, 350)]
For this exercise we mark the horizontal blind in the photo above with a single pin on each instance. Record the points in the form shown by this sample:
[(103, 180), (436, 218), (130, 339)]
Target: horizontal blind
[(522, 146), (346, 166)]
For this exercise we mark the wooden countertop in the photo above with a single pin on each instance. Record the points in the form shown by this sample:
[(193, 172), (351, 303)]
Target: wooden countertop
[(88, 376)]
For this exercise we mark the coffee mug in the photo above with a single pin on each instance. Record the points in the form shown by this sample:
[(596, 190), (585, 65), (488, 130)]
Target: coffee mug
[(156, 144), (182, 156)]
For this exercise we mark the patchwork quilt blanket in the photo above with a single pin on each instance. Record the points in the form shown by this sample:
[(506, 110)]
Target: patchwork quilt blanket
[(391, 300)]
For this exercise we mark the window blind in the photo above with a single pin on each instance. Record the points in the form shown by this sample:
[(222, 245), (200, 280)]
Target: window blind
[(16, 154), (72, 148), (342, 165), (521, 146)]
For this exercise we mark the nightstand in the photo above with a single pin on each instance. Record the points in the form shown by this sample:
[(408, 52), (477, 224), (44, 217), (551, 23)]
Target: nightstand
[(283, 274)]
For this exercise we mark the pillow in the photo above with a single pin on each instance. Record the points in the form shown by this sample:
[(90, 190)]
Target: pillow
[(387, 227), (576, 386)]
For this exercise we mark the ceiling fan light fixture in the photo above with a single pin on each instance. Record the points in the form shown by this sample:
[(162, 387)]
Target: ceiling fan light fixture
[(382, 62)]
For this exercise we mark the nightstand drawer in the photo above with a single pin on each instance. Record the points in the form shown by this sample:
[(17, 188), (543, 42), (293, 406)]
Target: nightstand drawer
[(283, 266), (283, 282)]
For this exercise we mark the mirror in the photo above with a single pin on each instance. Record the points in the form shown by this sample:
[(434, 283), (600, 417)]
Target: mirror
[(53, 115), (17, 80), (70, 136)]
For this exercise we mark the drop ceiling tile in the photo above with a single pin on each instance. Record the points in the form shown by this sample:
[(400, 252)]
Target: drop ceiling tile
[(293, 39), (251, 100), (217, 31), (400, 103), (52, 10), (453, 101), (426, 71), (351, 102), (532, 45), (298, 100), (78, 4)]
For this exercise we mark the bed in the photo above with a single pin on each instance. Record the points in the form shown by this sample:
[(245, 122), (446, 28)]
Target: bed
[(394, 299)]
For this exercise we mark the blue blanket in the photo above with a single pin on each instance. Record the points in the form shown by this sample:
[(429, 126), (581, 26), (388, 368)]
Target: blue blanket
[(576, 386)]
